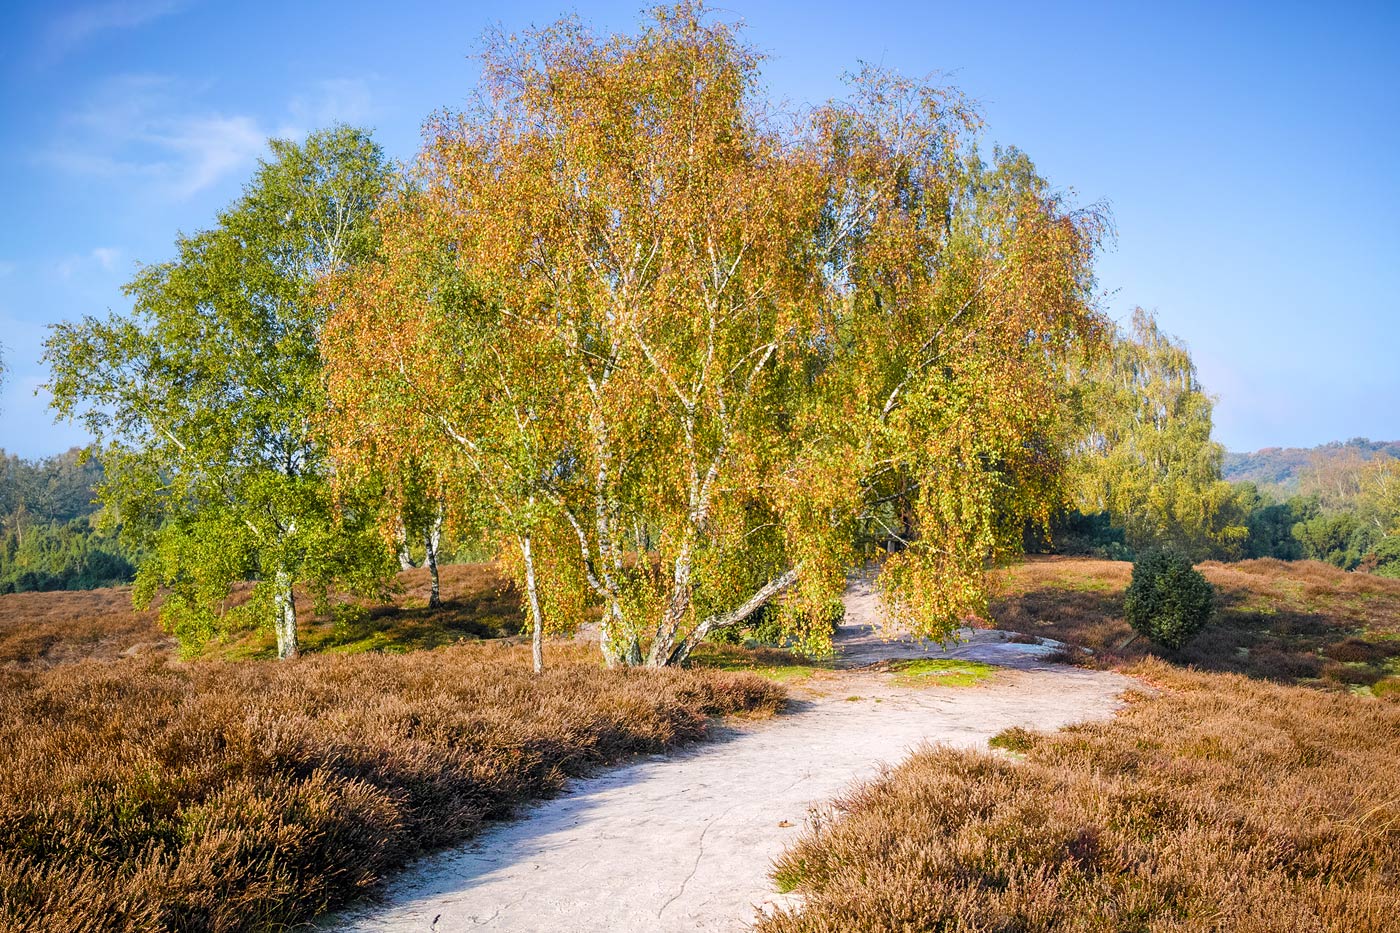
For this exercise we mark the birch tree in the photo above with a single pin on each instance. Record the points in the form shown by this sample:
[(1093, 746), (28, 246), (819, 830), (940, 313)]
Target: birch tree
[(960, 288), (745, 332), (431, 386), (1148, 457), (207, 398)]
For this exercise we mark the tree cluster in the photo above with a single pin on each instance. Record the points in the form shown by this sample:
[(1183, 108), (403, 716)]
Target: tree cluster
[(1146, 474), (1145, 456), (677, 358), (678, 351), (51, 535)]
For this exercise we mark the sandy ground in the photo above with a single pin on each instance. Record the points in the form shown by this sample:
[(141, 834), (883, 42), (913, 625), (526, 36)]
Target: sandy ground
[(686, 842)]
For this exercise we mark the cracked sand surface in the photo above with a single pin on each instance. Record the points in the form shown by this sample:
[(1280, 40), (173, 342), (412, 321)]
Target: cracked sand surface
[(686, 841)]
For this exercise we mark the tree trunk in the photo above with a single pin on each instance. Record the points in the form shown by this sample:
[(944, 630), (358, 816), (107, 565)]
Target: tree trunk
[(532, 592), (676, 608), (401, 546), (620, 646), (431, 541), (609, 635), (284, 609)]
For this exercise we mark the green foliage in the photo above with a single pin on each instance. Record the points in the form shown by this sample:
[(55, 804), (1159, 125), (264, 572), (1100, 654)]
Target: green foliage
[(1353, 506), (55, 489), (207, 400), (1168, 600), (1271, 525), (68, 556), (1301, 528), (1146, 465), (1147, 457), (1341, 539), (769, 627), (1073, 532), (52, 536), (1384, 558)]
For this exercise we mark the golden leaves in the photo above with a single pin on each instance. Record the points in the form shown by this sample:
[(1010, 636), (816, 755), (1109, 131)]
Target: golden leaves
[(709, 345)]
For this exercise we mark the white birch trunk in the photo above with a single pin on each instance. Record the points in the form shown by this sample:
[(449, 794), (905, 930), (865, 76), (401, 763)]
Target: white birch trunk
[(401, 546), (676, 608), (284, 609), (755, 602), (619, 645), (430, 542), (532, 593)]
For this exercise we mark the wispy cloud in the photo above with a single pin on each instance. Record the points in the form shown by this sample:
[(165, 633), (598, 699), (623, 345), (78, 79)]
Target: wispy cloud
[(150, 128), (153, 128), (83, 266), (209, 148), (84, 24), (107, 257)]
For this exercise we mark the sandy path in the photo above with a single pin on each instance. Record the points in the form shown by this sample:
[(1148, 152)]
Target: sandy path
[(685, 842)]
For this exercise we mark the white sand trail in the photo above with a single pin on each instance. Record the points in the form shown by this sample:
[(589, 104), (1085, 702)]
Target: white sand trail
[(686, 841)]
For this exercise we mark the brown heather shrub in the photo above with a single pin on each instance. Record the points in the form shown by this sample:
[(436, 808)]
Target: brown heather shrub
[(1293, 622), (145, 794), (43, 629), (1221, 803)]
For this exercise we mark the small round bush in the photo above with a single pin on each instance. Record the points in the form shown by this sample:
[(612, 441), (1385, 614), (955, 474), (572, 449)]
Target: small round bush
[(1168, 601)]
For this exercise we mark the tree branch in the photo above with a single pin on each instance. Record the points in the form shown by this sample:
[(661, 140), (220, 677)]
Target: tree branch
[(735, 616)]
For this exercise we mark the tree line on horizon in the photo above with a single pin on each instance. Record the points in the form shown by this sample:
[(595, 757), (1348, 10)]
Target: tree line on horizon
[(1146, 474), (675, 358), (1280, 470), (51, 537)]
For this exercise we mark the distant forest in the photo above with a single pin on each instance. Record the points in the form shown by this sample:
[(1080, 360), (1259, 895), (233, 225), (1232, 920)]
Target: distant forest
[(50, 534), (1284, 467)]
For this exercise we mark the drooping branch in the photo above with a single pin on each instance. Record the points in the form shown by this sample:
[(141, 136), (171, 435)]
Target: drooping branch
[(735, 616)]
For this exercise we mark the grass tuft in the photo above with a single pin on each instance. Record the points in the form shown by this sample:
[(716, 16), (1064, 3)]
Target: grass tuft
[(1014, 739)]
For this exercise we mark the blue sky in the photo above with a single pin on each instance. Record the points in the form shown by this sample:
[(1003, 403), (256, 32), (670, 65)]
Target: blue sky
[(1250, 154)]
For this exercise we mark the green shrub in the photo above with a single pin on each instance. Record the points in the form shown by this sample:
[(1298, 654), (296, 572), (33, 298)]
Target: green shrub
[(1168, 601), (1073, 532)]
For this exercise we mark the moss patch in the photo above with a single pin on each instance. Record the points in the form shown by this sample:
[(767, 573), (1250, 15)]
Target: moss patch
[(775, 664), (941, 672)]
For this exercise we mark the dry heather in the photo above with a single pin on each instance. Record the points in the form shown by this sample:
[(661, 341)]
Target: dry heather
[(1222, 803), (1301, 622), (44, 629), (143, 794)]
